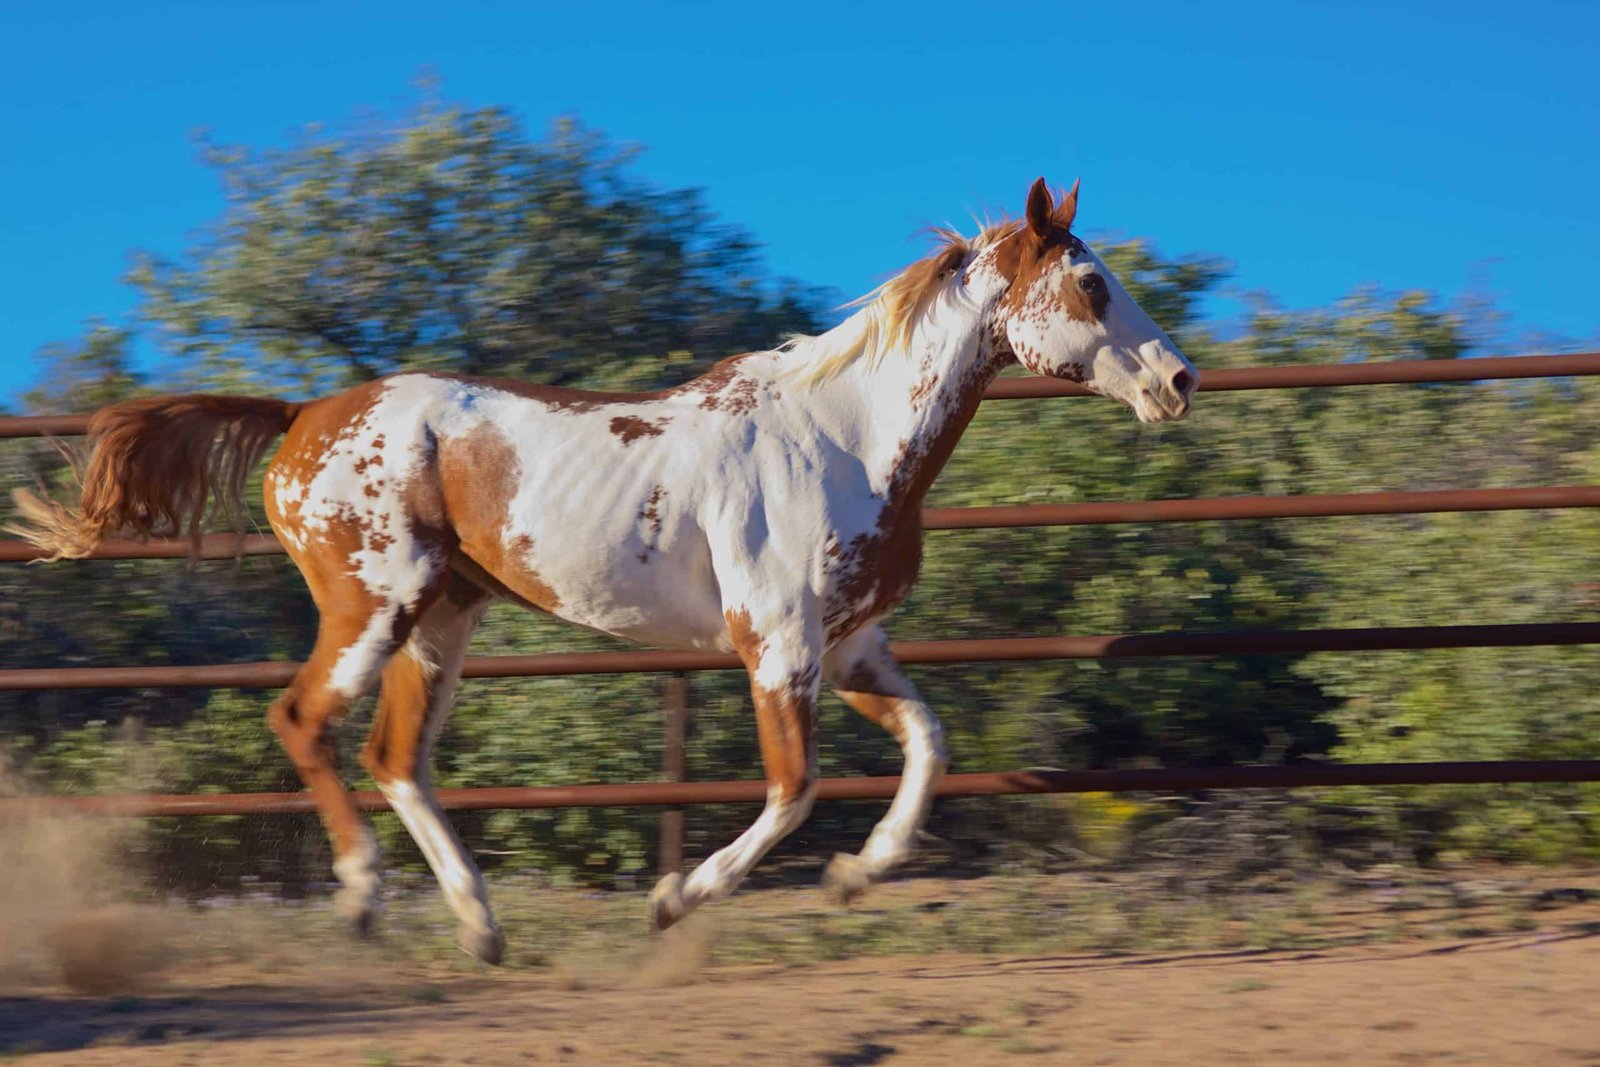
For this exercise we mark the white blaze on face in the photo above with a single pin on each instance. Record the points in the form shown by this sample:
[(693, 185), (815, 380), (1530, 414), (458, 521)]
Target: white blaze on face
[(1076, 321), (1137, 363)]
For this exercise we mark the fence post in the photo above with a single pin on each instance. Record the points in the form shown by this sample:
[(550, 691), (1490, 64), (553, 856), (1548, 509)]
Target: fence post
[(675, 705)]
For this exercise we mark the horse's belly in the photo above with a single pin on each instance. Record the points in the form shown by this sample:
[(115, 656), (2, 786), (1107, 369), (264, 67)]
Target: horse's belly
[(651, 593)]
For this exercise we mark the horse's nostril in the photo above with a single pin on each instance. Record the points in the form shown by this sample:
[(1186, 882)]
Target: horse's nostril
[(1181, 382)]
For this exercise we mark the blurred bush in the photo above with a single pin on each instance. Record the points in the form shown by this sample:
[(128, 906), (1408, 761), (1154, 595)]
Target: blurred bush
[(450, 239)]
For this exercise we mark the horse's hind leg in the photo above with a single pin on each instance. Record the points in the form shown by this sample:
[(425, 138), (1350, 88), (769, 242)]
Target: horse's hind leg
[(355, 636), (413, 704), (866, 676)]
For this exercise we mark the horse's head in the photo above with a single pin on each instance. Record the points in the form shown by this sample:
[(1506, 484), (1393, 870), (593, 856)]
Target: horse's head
[(1064, 315)]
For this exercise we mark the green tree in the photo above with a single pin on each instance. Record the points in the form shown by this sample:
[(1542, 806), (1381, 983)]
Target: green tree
[(450, 240)]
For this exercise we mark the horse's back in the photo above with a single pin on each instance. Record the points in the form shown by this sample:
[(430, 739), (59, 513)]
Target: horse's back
[(590, 512), (639, 515)]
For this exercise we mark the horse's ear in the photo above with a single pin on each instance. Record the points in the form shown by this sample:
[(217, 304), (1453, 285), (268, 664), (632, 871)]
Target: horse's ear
[(1067, 210), (1041, 210)]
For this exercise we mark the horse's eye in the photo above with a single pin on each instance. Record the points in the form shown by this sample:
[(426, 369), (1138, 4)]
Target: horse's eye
[(1092, 284)]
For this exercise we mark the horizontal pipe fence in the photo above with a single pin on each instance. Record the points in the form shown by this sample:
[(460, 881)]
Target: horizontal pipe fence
[(754, 791), (1108, 646), (1219, 380), (1204, 509), (275, 674)]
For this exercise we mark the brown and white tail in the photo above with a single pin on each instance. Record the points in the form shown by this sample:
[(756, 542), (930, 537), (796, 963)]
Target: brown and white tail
[(153, 465)]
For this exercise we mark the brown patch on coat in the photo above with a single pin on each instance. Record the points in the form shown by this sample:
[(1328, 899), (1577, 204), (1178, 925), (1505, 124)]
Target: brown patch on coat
[(786, 726), (747, 643), (400, 721), (1082, 305), (302, 715), (725, 389), (739, 398), (307, 449), (873, 685), (396, 747), (630, 428), (480, 474), (1030, 251), (876, 570), (881, 708), (785, 714), (1030, 260), (1077, 303), (927, 382), (651, 515)]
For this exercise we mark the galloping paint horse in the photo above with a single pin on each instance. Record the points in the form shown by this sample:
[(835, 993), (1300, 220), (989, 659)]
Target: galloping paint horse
[(769, 508)]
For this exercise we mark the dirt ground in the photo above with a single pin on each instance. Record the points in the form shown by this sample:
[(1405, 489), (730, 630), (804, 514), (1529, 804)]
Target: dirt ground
[(1442, 989)]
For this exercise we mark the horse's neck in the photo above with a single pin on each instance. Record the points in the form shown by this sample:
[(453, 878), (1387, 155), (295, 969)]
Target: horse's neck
[(910, 407)]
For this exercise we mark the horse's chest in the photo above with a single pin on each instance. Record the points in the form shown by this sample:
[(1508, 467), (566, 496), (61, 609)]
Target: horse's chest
[(869, 576)]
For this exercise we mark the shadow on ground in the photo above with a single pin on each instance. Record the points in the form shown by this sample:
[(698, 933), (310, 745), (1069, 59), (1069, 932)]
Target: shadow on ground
[(65, 1023)]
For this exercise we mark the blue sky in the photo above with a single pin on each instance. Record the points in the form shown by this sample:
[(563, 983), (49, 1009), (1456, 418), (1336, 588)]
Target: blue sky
[(1452, 147)]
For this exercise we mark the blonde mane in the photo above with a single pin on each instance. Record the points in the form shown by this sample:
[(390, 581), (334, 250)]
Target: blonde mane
[(892, 310)]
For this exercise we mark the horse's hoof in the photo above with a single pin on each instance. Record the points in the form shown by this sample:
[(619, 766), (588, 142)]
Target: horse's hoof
[(358, 910), (845, 878), (666, 901), (488, 945)]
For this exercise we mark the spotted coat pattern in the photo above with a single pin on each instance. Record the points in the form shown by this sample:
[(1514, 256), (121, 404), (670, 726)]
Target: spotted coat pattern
[(753, 510)]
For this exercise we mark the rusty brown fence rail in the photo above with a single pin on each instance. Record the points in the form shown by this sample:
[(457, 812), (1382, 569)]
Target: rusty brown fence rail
[(1109, 646), (1220, 380), (1004, 783), (275, 674), (229, 546), (1325, 375)]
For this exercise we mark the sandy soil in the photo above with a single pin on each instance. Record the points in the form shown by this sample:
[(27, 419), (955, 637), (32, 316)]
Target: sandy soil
[(1530, 997)]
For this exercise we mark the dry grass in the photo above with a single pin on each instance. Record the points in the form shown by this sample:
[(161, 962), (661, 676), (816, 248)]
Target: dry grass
[(601, 939)]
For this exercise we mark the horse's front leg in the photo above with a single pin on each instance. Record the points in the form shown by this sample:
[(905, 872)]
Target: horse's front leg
[(866, 676), (783, 662)]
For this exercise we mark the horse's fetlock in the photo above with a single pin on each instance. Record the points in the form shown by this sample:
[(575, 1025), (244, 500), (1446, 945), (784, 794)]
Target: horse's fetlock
[(485, 942), (666, 903)]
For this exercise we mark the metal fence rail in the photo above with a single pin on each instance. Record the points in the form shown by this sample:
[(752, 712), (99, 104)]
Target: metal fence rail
[(1203, 509), (1005, 783), (275, 674), (1220, 380), (1327, 375), (1108, 646)]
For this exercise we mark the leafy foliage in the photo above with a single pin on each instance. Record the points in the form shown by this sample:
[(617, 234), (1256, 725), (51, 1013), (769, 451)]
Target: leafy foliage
[(452, 241)]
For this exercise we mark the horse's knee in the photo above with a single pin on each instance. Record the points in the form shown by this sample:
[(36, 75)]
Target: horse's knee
[(371, 758), (282, 716), (288, 722), (795, 799), (378, 757)]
